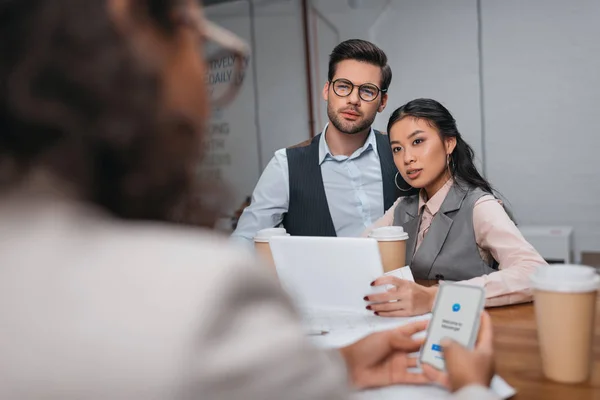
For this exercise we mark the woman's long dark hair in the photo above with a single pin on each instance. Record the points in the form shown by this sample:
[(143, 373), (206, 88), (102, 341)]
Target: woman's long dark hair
[(462, 166)]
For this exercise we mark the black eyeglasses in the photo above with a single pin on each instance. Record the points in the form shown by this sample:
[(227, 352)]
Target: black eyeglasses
[(367, 91)]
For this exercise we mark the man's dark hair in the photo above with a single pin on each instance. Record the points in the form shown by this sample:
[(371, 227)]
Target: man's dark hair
[(78, 102), (360, 50)]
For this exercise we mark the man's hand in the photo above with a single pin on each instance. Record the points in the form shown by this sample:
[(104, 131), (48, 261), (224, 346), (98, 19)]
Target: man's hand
[(466, 367), (382, 358), (410, 298)]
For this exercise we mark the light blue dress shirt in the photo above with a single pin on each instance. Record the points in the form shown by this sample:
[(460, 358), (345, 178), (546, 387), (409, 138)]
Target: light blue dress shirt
[(353, 187)]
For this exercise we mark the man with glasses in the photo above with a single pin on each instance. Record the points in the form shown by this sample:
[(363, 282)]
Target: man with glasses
[(344, 179)]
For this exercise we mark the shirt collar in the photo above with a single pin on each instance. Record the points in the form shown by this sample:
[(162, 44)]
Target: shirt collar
[(433, 204), (324, 152)]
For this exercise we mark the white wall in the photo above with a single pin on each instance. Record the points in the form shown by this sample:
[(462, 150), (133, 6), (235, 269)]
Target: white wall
[(232, 151), (541, 63), (281, 75), (271, 110), (540, 83)]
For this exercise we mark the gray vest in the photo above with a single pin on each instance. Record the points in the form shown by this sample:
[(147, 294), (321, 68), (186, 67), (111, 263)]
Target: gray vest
[(449, 250), (308, 210)]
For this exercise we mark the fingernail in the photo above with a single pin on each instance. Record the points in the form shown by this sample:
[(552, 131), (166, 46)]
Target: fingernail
[(373, 283), (376, 312), (369, 307), (366, 298)]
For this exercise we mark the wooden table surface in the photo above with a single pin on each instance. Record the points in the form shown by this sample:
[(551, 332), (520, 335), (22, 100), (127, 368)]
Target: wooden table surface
[(518, 357)]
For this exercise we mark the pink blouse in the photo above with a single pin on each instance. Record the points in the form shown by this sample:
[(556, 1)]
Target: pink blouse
[(496, 235)]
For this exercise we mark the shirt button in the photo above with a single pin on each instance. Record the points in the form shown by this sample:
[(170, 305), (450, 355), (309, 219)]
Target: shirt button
[(439, 277)]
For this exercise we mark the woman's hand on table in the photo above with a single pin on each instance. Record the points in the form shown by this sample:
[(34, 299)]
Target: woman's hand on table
[(383, 358), (405, 299), (466, 367)]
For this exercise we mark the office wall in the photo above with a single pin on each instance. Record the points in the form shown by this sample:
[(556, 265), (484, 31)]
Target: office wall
[(281, 75), (271, 110), (541, 63), (232, 140), (529, 112)]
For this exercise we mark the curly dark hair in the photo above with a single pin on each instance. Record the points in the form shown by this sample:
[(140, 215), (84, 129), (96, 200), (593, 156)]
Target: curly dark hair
[(77, 101)]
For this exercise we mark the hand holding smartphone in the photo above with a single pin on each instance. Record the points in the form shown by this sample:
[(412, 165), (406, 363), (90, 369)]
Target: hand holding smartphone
[(456, 315)]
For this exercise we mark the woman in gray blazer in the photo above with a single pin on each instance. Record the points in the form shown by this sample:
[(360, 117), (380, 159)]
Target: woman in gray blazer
[(458, 230), (102, 109)]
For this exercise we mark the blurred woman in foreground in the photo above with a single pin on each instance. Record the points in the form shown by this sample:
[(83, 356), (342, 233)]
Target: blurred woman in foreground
[(102, 105)]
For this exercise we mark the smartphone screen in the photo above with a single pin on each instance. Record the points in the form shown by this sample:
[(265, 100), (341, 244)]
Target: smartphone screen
[(456, 316)]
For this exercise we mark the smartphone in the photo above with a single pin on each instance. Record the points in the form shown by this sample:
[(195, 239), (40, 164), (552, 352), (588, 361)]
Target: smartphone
[(456, 315)]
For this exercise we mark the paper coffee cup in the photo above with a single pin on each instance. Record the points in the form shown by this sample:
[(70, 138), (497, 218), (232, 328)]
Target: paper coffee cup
[(392, 246), (565, 309), (261, 243)]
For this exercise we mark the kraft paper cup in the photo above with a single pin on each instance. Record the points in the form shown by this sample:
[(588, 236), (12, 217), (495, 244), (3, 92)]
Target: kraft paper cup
[(392, 246), (565, 309)]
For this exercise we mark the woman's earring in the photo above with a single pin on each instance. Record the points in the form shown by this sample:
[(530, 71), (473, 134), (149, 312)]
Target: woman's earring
[(450, 163), (398, 186)]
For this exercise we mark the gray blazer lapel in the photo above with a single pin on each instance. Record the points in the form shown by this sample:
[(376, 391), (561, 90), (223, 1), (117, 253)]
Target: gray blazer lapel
[(410, 227), (438, 231), (405, 215)]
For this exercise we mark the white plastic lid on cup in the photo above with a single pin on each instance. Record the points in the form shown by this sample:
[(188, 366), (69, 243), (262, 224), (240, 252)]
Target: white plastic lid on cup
[(389, 234), (263, 235), (566, 278)]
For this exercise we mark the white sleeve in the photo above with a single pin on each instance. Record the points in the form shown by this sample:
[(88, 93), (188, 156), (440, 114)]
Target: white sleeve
[(270, 199)]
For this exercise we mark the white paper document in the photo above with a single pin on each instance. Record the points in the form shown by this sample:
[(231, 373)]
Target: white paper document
[(327, 278), (402, 273), (327, 273)]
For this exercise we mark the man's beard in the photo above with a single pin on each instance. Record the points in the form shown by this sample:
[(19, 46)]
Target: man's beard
[(349, 127)]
